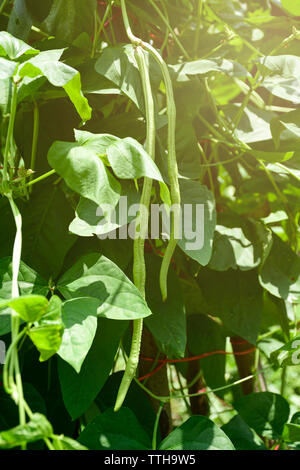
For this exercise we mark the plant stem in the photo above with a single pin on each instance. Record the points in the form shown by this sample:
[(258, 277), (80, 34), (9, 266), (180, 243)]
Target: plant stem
[(40, 178), (36, 125), (156, 424), (18, 394), (3, 5), (9, 137)]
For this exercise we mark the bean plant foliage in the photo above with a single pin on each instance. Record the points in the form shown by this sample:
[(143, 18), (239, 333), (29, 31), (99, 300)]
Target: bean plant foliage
[(115, 342)]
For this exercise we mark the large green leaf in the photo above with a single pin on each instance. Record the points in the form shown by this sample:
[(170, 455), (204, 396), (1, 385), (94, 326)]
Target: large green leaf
[(47, 332), (67, 19), (96, 276), (14, 48), (79, 390), (243, 437), (7, 68), (45, 230), (265, 412), (127, 157), (37, 428), (235, 297), (283, 78), (119, 66), (206, 66), (115, 431), (167, 322), (30, 307), (199, 221), (280, 273), (136, 400), (84, 172), (286, 127), (59, 74), (254, 125), (204, 336), (129, 160), (29, 283), (197, 433), (239, 243), (80, 320), (89, 221), (20, 20)]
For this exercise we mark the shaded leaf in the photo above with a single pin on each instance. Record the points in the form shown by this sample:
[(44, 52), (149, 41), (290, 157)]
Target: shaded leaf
[(96, 276), (37, 428), (115, 431), (197, 433), (265, 412), (80, 320), (79, 390)]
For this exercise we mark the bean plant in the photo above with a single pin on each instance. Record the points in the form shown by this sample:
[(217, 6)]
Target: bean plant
[(117, 118)]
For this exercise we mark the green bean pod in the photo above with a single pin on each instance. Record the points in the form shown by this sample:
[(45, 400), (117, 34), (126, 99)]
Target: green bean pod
[(172, 161), (139, 267)]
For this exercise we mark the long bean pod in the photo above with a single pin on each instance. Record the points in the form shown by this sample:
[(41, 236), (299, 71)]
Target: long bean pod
[(172, 161), (139, 267)]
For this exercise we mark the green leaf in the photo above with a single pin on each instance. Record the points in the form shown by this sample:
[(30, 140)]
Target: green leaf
[(280, 273), (206, 66), (119, 66), (47, 335), (284, 65), (80, 319), (30, 308), (292, 6), (96, 276), (79, 390), (88, 223), (97, 142), (47, 64), (197, 236), (29, 282), (254, 125), (115, 431), (168, 321), (37, 428), (291, 432), (136, 400), (272, 157), (197, 433), (14, 48), (239, 243), (66, 443), (239, 300), (242, 437), (289, 354), (67, 19), (20, 20), (286, 127), (284, 76), (206, 335), (265, 412), (7, 68), (84, 172), (46, 217), (129, 160)]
